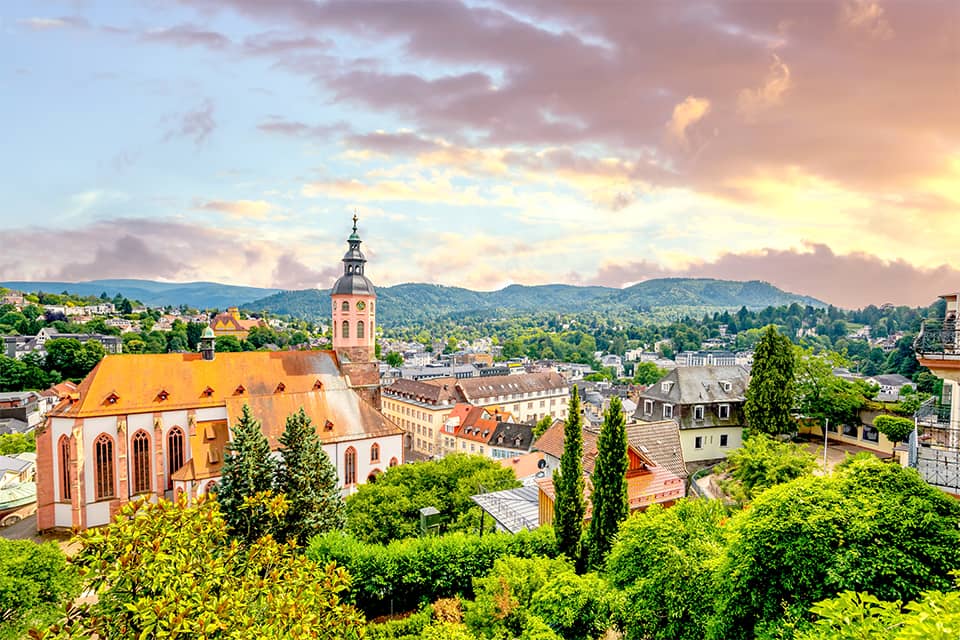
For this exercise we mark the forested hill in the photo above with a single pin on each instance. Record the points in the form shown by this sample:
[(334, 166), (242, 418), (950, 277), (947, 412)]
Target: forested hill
[(406, 303)]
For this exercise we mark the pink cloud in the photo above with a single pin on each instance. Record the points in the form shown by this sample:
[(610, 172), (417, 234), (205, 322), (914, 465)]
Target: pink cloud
[(849, 281)]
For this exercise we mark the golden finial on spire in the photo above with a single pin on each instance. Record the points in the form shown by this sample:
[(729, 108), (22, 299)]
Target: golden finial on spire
[(355, 220)]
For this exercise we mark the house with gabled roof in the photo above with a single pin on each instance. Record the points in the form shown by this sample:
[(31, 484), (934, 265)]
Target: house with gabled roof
[(706, 403)]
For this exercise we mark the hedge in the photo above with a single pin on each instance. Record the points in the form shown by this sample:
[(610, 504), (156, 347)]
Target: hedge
[(402, 575)]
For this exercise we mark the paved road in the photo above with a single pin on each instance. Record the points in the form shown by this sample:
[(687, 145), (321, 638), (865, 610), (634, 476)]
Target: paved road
[(26, 529)]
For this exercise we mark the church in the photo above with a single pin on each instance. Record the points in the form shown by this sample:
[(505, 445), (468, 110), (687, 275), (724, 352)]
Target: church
[(157, 425)]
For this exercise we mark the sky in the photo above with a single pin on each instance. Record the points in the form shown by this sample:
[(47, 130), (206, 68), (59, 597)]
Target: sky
[(814, 145)]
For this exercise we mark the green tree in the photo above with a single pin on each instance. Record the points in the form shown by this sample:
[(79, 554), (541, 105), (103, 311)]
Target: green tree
[(896, 429), (870, 526), (569, 507), (248, 472), (609, 497), (394, 359), (35, 582), (822, 395), (194, 332), (647, 373), (308, 479), (228, 343), (14, 443), (542, 425), (770, 393), (163, 570), (72, 358), (389, 509), (662, 566)]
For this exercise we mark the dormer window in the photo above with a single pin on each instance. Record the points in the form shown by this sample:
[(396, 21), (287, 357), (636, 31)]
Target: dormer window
[(726, 385), (318, 386), (665, 387), (112, 398), (208, 392), (328, 426), (163, 395), (280, 388), (698, 412), (668, 411), (239, 390)]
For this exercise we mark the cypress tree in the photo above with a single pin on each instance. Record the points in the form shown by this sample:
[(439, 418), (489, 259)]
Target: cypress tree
[(609, 497), (568, 485), (248, 470), (770, 394), (308, 479)]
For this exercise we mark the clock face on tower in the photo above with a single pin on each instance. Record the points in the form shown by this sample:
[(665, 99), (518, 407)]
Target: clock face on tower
[(361, 305)]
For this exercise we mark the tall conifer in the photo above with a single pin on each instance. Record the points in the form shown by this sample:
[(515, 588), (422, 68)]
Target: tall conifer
[(248, 470), (568, 485), (770, 395), (308, 479), (609, 497)]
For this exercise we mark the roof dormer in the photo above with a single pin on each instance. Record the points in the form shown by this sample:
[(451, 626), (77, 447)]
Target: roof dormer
[(318, 385), (111, 398), (280, 388), (208, 392), (162, 395), (239, 390)]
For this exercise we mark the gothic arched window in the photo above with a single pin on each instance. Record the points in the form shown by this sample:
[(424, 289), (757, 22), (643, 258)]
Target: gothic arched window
[(350, 466), (103, 468), (375, 453), (64, 449), (140, 461), (174, 452)]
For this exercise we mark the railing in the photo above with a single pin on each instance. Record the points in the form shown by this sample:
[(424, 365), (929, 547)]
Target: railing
[(938, 339)]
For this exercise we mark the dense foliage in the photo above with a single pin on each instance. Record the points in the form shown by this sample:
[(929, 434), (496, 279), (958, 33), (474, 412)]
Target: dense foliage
[(870, 526), (248, 472), (401, 575), (763, 462), (35, 583), (389, 509), (309, 481), (770, 393), (896, 428), (610, 505), (14, 443), (171, 571), (663, 566), (822, 395), (569, 504), (861, 616)]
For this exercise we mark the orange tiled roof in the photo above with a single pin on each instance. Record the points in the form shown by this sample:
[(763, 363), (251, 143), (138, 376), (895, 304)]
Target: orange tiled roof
[(551, 443), (337, 414), (655, 486), (192, 383), (523, 466)]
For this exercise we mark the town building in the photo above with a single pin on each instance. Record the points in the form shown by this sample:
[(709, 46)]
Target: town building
[(230, 323), (891, 385), (14, 298), (19, 346), (27, 406), (157, 425), (706, 359), (707, 403), (422, 407)]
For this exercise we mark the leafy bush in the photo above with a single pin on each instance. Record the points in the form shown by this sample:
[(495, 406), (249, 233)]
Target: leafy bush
[(406, 573), (870, 526), (34, 583), (662, 563), (763, 462)]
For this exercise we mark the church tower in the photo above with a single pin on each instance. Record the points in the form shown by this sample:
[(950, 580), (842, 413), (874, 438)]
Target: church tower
[(353, 307)]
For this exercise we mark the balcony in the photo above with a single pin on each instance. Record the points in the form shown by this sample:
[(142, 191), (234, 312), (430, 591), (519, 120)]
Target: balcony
[(935, 447), (938, 340)]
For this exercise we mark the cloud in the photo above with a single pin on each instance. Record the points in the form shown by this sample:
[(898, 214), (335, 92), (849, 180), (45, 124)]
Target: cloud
[(127, 257), (291, 273), (187, 35), (685, 114), (196, 124), (867, 16), (45, 24), (258, 209), (278, 125), (850, 281), (752, 102)]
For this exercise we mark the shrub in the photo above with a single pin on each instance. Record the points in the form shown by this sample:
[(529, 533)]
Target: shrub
[(406, 573)]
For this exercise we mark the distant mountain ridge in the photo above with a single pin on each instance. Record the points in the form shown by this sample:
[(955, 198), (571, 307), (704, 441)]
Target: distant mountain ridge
[(202, 295), (418, 301), (411, 302)]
